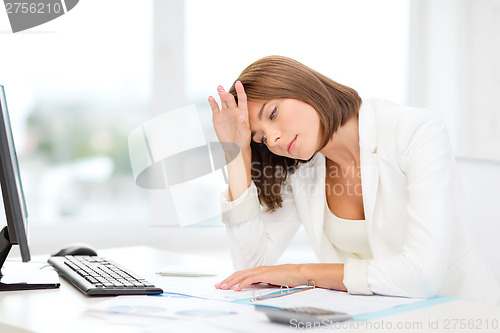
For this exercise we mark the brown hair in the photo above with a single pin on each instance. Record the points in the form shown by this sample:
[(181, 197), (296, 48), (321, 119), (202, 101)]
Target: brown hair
[(277, 77)]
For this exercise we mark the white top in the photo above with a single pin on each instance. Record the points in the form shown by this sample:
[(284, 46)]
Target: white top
[(350, 236)]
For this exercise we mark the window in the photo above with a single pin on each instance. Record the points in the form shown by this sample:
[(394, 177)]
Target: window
[(76, 87)]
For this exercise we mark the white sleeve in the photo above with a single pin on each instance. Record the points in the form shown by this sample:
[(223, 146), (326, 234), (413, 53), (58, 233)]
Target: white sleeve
[(419, 270), (257, 237)]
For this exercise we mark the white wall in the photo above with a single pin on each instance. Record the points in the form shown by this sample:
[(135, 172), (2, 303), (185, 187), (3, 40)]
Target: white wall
[(483, 116), (455, 69)]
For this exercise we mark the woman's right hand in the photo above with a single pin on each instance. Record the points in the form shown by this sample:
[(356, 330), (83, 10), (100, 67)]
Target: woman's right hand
[(231, 122)]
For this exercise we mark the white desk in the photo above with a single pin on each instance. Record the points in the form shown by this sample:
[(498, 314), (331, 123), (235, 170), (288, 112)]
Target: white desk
[(65, 309)]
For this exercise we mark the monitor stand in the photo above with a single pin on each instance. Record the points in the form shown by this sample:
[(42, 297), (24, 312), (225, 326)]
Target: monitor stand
[(23, 276)]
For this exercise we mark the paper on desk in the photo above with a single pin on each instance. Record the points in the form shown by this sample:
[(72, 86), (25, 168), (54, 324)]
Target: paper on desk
[(338, 301), (135, 324), (204, 287), (174, 306), (147, 311)]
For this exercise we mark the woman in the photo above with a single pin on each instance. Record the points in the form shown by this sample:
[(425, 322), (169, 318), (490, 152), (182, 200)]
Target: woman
[(372, 183)]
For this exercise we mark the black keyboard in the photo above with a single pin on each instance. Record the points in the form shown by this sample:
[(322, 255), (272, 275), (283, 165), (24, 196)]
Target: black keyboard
[(97, 276)]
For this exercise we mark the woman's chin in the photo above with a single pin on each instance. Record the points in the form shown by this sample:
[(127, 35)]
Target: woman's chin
[(303, 157), (308, 156)]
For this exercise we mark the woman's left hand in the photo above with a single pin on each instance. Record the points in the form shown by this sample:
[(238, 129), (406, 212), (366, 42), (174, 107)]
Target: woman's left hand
[(290, 275)]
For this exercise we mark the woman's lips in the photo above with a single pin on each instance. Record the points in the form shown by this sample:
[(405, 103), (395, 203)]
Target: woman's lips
[(291, 145)]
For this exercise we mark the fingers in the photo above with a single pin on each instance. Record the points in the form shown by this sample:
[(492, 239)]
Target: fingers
[(246, 282), (242, 279), (220, 91), (231, 281), (242, 96), (274, 275), (213, 105), (227, 100)]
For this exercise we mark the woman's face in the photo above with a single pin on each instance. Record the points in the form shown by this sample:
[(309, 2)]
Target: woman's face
[(288, 127)]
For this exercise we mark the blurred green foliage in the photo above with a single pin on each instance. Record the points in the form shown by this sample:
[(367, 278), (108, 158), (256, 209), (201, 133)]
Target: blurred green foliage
[(62, 133)]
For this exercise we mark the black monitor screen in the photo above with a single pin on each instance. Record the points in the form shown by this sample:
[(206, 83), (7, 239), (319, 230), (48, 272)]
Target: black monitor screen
[(12, 189)]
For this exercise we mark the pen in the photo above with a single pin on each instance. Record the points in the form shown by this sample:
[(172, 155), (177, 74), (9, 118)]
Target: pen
[(185, 274), (310, 285)]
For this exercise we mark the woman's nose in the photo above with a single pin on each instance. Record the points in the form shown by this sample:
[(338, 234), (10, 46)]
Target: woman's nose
[(273, 136)]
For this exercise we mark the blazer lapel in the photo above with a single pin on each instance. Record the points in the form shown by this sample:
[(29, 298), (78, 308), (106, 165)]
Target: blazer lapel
[(369, 164), (309, 194), (317, 200)]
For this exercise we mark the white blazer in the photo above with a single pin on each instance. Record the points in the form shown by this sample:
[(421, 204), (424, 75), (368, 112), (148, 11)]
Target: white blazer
[(416, 233)]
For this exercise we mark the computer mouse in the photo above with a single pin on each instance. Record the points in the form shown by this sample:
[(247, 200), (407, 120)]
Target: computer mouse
[(77, 249)]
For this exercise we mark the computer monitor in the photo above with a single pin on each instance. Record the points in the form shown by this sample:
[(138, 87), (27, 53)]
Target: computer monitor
[(15, 233)]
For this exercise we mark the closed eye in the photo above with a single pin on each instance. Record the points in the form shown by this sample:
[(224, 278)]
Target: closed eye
[(263, 140), (273, 114)]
